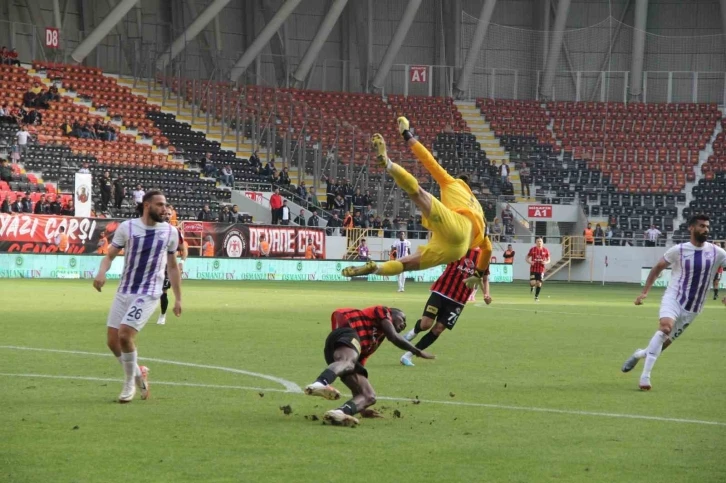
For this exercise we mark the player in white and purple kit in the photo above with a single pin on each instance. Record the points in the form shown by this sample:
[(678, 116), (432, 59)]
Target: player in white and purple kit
[(150, 246), (693, 266)]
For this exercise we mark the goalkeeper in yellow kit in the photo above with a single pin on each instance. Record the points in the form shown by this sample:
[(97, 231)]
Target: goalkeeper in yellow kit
[(456, 222)]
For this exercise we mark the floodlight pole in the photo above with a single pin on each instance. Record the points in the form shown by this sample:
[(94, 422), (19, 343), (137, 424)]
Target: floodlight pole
[(636, 66), (553, 57), (485, 17)]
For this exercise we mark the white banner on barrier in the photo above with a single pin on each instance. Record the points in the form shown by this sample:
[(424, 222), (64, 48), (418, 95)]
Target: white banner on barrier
[(82, 194)]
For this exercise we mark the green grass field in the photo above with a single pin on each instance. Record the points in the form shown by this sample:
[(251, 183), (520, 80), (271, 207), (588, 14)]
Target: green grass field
[(518, 393)]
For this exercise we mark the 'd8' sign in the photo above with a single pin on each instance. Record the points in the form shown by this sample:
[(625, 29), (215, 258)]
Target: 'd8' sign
[(52, 38)]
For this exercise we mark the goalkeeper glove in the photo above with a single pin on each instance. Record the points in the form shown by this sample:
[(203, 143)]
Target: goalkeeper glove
[(475, 279), (403, 126)]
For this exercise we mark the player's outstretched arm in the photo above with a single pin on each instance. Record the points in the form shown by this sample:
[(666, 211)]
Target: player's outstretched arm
[(482, 264), (652, 277), (100, 279), (485, 289), (400, 342), (172, 269)]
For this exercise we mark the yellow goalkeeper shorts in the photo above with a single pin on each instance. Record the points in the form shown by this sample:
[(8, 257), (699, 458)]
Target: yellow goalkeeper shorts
[(450, 236)]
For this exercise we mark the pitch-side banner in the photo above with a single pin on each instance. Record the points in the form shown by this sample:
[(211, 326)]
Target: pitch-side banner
[(239, 241), (665, 278), (82, 194), (21, 265), (39, 234)]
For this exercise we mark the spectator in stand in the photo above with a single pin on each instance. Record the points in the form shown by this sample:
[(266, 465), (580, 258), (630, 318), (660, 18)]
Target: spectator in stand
[(651, 236), (3, 55), (205, 214), (314, 220), (12, 57), (496, 231), (106, 186), (357, 220), (6, 172), (119, 192), (363, 252), (312, 198), (284, 177), (17, 205), (525, 176), (27, 203), (15, 154), (34, 118), (255, 162), (348, 194), (68, 209), (208, 168), (55, 207), (39, 205), (300, 219), (5, 206), (504, 171), (138, 195), (66, 128), (507, 216), (84, 169), (23, 136), (276, 206), (609, 236), (369, 222), (264, 246), (339, 204), (358, 200), (4, 113), (285, 214), (599, 235), (386, 225), (235, 214), (329, 193), (509, 255), (333, 224), (301, 191), (377, 223), (29, 99), (228, 176), (225, 216)]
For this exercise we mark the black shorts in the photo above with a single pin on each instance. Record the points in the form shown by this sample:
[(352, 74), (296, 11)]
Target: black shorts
[(167, 282), (717, 277), (535, 276), (347, 337), (443, 310)]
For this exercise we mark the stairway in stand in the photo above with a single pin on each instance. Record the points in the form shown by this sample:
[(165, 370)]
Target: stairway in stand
[(489, 142)]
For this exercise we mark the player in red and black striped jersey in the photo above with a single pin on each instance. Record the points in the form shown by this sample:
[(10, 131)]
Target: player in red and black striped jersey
[(356, 335), (449, 294), (183, 253), (538, 257)]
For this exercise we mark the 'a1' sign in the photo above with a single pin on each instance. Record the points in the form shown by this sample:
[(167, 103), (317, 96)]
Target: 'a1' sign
[(539, 211), (52, 38), (419, 73)]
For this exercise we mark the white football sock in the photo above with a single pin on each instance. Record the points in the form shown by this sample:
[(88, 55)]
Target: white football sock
[(653, 351), (130, 366), (408, 355), (640, 353)]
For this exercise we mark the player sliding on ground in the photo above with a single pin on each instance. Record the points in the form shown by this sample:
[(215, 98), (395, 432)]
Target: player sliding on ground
[(150, 246), (456, 222), (449, 295), (356, 335), (693, 267)]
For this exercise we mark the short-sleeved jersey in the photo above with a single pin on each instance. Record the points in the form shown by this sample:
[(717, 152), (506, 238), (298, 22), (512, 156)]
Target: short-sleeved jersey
[(692, 271), (402, 248), (366, 323), (538, 256), (146, 248), (450, 284)]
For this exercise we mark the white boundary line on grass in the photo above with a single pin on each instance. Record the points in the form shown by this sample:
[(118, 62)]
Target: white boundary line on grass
[(288, 385), (296, 390)]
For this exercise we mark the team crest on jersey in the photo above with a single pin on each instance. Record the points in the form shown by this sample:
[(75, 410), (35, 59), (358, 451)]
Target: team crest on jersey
[(468, 263)]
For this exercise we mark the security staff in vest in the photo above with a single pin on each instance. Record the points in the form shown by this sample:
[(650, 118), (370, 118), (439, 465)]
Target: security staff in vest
[(509, 255), (589, 235)]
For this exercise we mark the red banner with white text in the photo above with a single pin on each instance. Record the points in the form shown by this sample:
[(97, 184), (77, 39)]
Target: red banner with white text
[(26, 233)]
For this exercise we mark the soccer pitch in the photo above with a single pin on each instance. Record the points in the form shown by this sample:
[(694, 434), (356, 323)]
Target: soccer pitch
[(519, 392)]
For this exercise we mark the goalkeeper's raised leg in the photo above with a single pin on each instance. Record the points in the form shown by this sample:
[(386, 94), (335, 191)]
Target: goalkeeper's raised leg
[(456, 222)]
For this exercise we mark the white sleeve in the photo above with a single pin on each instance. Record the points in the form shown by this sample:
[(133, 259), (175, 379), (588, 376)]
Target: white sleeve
[(121, 236), (173, 245), (672, 254)]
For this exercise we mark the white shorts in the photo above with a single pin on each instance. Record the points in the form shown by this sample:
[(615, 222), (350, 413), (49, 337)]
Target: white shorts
[(671, 309), (131, 310)]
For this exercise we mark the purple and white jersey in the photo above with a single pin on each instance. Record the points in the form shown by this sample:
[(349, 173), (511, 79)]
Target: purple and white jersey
[(693, 269), (146, 248)]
